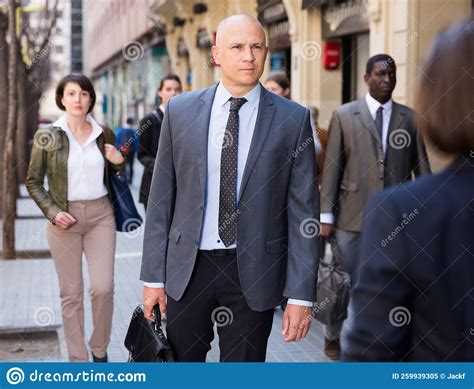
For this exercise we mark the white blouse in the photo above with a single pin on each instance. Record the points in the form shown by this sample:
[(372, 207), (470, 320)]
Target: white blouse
[(85, 164)]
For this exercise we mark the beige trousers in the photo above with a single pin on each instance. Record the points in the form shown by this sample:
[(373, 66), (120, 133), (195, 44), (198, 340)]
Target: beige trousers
[(93, 235)]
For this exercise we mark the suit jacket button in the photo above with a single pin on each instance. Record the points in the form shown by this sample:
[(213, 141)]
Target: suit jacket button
[(382, 161)]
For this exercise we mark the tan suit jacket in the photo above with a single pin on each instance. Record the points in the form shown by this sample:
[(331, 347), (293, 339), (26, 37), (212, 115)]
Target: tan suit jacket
[(355, 166)]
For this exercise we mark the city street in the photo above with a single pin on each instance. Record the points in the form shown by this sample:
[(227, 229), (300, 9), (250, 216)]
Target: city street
[(30, 293)]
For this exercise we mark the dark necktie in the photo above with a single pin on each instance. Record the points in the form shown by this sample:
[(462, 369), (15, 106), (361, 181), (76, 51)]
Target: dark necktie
[(379, 122), (228, 185)]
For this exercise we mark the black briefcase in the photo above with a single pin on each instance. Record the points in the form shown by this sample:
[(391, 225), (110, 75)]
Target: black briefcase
[(332, 290), (145, 340)]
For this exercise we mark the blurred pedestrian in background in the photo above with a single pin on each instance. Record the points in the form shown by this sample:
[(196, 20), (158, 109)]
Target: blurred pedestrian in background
[(414, 296), (373, 144), (126, 141), (74, 156), (150, 129), (279, 83)]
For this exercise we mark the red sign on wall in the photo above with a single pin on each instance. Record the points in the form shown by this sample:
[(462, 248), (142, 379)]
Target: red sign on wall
[(331, 55)]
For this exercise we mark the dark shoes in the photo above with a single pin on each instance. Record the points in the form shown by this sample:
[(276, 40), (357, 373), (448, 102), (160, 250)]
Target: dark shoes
[(332, 349), (102, 359)]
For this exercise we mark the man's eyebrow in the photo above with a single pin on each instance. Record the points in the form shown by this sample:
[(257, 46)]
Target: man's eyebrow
[(230, 43)]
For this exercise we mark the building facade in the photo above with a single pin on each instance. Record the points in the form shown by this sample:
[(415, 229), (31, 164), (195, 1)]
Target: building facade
[(60, 58), (322, 45), (126, 57)]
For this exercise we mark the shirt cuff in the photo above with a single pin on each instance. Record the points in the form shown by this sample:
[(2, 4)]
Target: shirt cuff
[(300, 302), (327, 218), (154, 284)]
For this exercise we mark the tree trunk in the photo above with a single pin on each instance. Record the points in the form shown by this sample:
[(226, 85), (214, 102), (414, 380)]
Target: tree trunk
[(4, 89), (9, 177), (24, 106)]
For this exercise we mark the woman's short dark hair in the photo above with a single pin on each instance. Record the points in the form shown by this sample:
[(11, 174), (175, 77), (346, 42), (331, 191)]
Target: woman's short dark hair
[(170, 76), (280, 78), (444, 94), (82, 81)]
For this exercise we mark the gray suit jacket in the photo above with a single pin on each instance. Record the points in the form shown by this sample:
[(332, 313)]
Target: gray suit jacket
[(277, 251), (355, 167)]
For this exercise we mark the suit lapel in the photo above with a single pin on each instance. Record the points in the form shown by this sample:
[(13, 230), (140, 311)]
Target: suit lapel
[(366, 118), (201, 126), (266, 111)]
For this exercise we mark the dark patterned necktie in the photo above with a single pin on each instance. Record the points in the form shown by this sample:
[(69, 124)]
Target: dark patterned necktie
[(379, 122), (228, 185)]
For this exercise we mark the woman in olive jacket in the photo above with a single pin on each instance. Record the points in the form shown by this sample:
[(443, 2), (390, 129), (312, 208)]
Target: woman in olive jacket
[(75, 157)]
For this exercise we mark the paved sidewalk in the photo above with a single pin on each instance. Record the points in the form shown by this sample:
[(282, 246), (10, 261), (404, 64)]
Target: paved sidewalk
[(29, 292)]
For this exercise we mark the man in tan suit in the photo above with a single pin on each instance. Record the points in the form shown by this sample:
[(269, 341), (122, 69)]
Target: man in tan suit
[(373, 144)]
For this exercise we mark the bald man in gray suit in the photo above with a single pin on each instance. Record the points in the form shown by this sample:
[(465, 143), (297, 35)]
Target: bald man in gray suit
[(233, 215)]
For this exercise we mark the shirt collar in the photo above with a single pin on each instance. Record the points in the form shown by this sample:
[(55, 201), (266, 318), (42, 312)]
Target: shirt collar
[(96, 128), (374, 105), (223, 95)]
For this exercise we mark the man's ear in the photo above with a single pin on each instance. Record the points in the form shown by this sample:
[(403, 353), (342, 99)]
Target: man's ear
[(366, 78), (215, 54)]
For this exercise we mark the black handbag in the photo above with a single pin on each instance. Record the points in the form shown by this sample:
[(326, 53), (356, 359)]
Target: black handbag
[(145, 340), (127, 218), (332, 291)]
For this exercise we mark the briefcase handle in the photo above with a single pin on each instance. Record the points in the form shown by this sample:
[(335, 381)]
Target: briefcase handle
[(157, 315)]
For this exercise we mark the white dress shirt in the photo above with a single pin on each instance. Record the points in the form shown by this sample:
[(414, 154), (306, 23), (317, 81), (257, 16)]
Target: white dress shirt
[(210, 239), (373, 105), (85, 164)]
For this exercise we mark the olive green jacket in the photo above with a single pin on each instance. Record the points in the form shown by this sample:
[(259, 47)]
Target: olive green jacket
[(50, 156)]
